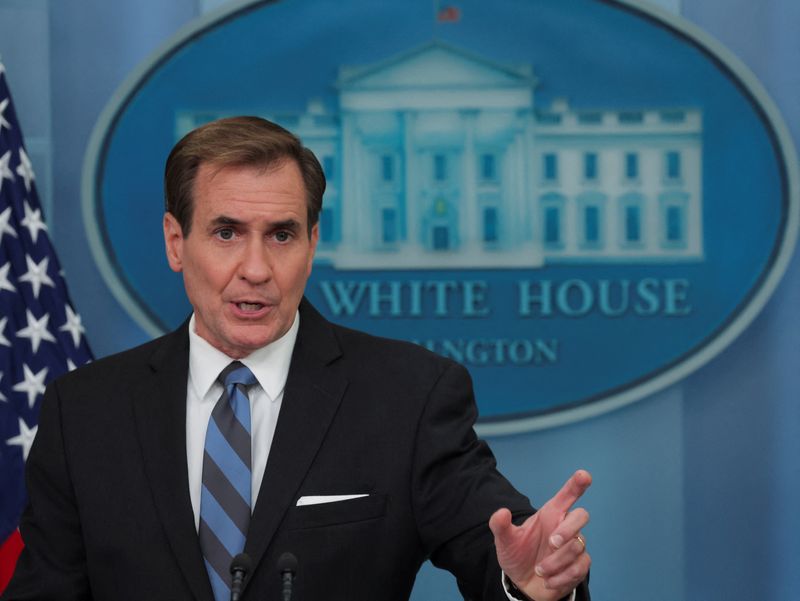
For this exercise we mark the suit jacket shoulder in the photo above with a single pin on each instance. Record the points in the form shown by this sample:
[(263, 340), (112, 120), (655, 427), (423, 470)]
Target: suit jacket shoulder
[(116, 370)]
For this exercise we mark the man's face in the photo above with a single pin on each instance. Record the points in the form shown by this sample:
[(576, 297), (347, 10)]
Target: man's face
[(248, 255)]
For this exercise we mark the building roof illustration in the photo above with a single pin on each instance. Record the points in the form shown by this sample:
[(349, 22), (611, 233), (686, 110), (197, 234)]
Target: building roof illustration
[(434, 65)]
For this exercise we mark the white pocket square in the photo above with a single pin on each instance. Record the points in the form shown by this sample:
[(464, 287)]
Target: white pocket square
[(319, 499)]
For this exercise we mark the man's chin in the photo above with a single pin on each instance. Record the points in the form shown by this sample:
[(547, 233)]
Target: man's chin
[(254, 338)]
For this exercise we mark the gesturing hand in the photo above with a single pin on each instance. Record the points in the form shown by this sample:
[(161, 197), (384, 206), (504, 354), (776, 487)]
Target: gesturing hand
[(546, 557)]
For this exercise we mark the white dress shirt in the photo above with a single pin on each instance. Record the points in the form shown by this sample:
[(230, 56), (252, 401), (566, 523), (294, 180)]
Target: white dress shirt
[(270, 366)]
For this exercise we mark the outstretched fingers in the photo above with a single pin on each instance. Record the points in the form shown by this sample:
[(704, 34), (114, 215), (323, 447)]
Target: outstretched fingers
[(572, 490), (569, 528), (567, 573), (568, 562)]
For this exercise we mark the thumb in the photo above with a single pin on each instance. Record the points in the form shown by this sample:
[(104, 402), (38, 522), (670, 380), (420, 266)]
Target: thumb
[(501, 526)]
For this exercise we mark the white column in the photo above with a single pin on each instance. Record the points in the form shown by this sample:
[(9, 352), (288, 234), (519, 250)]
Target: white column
[(468, 203), (413, 217)]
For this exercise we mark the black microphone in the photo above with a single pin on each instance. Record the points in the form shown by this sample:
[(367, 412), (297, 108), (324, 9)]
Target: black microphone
[(287, 566), (240, 567)]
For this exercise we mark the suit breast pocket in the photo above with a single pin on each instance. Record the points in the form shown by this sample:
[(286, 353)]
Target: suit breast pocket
[(338, 512)]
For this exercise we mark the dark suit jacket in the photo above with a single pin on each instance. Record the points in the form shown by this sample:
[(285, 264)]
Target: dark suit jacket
[(110, 517)]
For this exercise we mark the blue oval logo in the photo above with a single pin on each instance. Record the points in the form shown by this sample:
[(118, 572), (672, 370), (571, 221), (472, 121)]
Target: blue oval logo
[(583, 202)]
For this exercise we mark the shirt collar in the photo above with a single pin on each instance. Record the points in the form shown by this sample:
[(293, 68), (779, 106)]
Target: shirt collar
[(269, 364)]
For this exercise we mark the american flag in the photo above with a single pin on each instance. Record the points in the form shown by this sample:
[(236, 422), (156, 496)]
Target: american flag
[(41, 335)]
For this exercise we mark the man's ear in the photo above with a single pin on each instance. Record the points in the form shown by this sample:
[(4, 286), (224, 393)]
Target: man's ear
[(173, 240)]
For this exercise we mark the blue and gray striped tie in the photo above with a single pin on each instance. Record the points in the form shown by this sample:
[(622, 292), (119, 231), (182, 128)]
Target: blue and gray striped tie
[(225, 496)]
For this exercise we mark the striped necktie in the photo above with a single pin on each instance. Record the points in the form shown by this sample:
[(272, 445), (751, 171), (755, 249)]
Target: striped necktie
[(225, 496)]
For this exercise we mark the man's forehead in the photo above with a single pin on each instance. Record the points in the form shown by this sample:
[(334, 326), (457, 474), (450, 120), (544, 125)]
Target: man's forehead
[(285, 178), (209, 170), (264, 197)]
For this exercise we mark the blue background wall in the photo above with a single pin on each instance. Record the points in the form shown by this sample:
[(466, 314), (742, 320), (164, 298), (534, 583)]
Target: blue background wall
[(696, 488)]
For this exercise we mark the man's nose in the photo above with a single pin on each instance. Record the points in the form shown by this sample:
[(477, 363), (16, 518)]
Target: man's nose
[(256, 263)]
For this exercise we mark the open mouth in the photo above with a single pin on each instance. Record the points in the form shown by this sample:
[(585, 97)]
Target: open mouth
[(250, 306)]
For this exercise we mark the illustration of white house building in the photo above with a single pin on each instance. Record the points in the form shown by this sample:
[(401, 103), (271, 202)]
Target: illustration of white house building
[(438, 158)]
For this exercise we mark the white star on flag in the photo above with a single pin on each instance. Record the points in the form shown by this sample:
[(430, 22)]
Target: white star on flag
[(36, 275), (3, 340), (5, 171), (73, 326), (71, 365), (36, 330), (24, 439), (5, 284), (5, 216), (25, 169), (33, 221), (3, 122), (32, 384), (2, 396)]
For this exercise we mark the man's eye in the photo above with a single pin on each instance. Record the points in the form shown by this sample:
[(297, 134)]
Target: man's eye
[(225, 234), (282, 236)]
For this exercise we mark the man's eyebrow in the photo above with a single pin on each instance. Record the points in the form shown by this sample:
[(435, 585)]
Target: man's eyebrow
[(287, 224), (225, 220)]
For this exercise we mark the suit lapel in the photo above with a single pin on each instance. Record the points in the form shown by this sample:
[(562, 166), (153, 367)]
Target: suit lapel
[(310, 401), (160, 413)]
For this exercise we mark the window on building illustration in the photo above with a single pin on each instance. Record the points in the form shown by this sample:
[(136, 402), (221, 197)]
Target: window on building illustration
[(550, 166), (387, 168), (674, 233), (488, 167), (673, 116), (590, 166), (673, 164), (590, 118), (546, 118), (389, 225), (439, 167), (490, 233), (552, 226), (326, 225), (631, 117), (327, 167), (631, 165), (441, 237), (591, 225), (633, 224)]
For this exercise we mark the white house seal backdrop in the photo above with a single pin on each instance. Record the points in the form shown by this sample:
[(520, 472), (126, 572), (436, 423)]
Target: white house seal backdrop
[(581, 201)]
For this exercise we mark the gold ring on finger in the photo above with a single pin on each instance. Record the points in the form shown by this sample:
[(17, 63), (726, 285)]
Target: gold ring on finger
[(582, 541)]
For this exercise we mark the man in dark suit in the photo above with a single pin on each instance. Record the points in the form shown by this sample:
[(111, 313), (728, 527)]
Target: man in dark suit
[(363, 455)]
